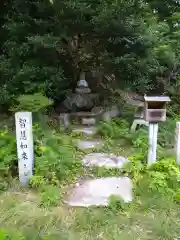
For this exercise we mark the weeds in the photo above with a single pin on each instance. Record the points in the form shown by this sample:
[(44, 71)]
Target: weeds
[(115, 129), (100, 172), (11, 235), (50, 196), (116, 204), (56, 159), (151, 215), (8, 159), (119, 129)]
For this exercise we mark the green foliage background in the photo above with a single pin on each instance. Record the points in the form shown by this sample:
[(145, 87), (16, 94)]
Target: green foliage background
[(46, 44)]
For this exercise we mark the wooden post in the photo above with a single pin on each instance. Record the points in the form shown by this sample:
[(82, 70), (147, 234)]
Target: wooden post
[(24, 140), (154, 142), (177, 146), (150, 150), (153, 130)]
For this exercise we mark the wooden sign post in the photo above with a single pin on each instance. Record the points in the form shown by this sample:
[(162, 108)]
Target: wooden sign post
[(24, 140), (153, 130)]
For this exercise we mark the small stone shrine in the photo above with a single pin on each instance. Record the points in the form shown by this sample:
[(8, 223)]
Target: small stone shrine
[(79, 105), (82, 99)]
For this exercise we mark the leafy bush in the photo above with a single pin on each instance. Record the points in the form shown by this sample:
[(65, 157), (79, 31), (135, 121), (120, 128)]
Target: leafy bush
[(166, 133), (157, 181), (50, 196), (11, 235), (139, 140), (174, 93), (118, 128), (8, 155), (128, 113), (177, 196), (171, 171), (55, 157), (31, 102), (134, 169), (116, 204), (162, 176), (37, 181), (100, 172)]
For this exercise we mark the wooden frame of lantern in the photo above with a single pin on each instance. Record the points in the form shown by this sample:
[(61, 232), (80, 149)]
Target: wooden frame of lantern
[(155, 108)]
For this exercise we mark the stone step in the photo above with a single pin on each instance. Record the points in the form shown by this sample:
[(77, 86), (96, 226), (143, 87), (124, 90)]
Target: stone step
[(87, 131), (104, 160), (87, 114), (89, 144), (97, 192), (88, 121)]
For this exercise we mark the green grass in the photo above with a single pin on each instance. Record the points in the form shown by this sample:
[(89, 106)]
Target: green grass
[(27, 214), (148, 217)]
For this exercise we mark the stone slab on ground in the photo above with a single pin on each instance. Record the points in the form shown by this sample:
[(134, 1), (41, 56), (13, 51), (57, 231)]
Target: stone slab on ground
[(104, 160), (89, 131), (88, 121), (97, 192), (89, 144)]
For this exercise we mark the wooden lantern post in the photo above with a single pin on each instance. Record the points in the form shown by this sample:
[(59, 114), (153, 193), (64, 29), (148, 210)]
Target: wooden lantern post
[(155, 112)]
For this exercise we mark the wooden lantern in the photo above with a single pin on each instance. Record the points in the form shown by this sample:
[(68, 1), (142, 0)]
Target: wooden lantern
[(155, 108)]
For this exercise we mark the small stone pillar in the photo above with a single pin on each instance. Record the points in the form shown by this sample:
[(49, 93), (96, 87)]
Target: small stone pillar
[(64, 120)]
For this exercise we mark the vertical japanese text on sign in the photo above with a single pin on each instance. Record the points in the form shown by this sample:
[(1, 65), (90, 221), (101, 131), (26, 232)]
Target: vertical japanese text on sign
[(24, 145)]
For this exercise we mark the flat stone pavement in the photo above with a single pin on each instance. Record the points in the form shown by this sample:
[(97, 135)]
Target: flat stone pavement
[(104, 160), (96, 192), (89, 144)]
